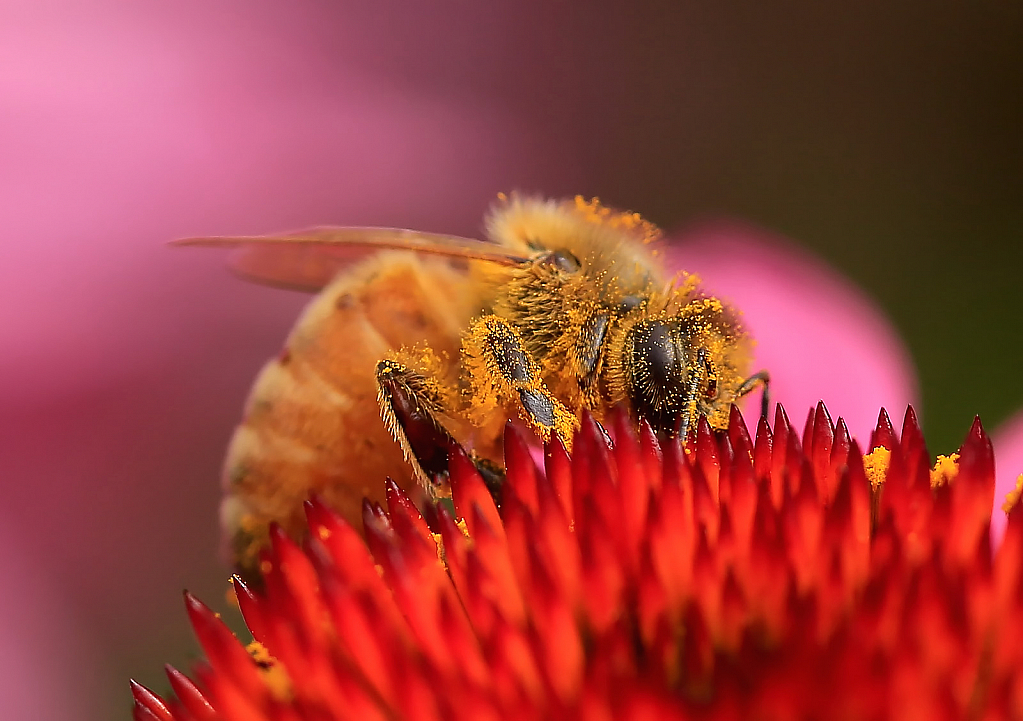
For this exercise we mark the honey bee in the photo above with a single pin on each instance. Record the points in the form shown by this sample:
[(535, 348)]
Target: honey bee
[(436, 340)]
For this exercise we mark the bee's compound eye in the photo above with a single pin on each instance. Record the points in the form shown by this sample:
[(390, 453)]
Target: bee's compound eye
[(654, 352), (629, 302), (656, 382), (563, 260)]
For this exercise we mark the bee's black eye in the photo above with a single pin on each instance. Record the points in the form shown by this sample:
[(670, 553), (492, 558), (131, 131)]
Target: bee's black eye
[(657, 377), (655, 352), (629, 302), (563, 260)]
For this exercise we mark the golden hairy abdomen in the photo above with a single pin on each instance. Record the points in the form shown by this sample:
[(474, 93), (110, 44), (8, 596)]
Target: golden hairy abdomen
[(311, 423)]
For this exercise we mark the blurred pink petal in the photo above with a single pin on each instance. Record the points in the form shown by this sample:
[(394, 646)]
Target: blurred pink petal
[(818, 335), (1008, 442)]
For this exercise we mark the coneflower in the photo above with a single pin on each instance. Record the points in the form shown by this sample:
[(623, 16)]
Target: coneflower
[(779, 576)]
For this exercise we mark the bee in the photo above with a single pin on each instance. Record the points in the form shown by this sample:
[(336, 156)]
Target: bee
[(436, 340)]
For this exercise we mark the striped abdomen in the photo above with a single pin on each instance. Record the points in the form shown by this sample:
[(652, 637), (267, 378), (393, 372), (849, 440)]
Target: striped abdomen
[(311, 423)]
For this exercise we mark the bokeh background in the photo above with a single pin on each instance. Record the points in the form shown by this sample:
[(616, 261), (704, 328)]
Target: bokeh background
[(887, 138)]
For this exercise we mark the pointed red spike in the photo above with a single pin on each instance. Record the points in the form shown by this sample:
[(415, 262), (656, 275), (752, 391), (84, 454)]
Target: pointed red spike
[(520, 469), (811, 419), (843, 442), (779, 456), (912, 439), (224, 651), (405, 517), (455, 547), (976, 456), (742, 497), (1008, 562), (559, 474), (823, 433), (292, 583), (707, 457), (191, 698), (374, 517), (278, 537), (860, 493), (468, 490), (705, 505), (738, 434), (590, 460), (345, 547), (606, 506), (633, 484), (726, 459), (838, 514), (144, 713), (249, 605), (603, 580), (653, 458), (519, 528), (973, 493), (883, 433), (794, 460), (150, 702), (781, 421), (380, 539), (762, 450)]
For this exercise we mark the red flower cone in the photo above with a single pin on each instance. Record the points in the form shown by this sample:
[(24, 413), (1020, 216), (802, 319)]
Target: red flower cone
[(782, 576)]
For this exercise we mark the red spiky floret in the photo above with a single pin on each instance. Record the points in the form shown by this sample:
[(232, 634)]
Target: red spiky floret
[(738, 577)]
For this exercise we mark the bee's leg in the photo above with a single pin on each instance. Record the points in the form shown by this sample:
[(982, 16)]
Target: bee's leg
[(500, 370), (411, 403), (586, 356), (696, 379), (763, 379)]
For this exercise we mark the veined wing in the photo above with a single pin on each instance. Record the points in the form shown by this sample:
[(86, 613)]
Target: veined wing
[(309, 259)]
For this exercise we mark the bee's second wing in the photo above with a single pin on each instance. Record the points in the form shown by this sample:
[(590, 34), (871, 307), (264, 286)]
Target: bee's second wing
[(309, 259)]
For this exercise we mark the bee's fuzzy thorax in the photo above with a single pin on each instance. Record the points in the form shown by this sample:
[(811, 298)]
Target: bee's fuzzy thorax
[(612, 246)]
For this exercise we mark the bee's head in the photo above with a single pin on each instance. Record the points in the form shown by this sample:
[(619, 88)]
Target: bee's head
[(678, 367)]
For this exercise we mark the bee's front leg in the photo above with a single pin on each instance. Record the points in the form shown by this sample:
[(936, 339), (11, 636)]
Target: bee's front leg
[(417, 405), (762, 379), (501, 372), (412, 401)]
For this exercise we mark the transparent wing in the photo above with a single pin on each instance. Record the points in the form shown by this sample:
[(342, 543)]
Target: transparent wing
[(309, 259)]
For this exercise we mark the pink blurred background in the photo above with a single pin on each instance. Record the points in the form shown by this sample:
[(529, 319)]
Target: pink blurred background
[(122, 125)]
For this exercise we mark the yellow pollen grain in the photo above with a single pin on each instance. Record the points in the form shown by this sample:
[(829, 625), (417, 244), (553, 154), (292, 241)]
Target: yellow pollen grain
[(230, 595), (274, 675), (323, 533), (594, 212), (1013, 496), (462, 527), (945, 470), (875, 465), (442, 553), (265, 567)]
